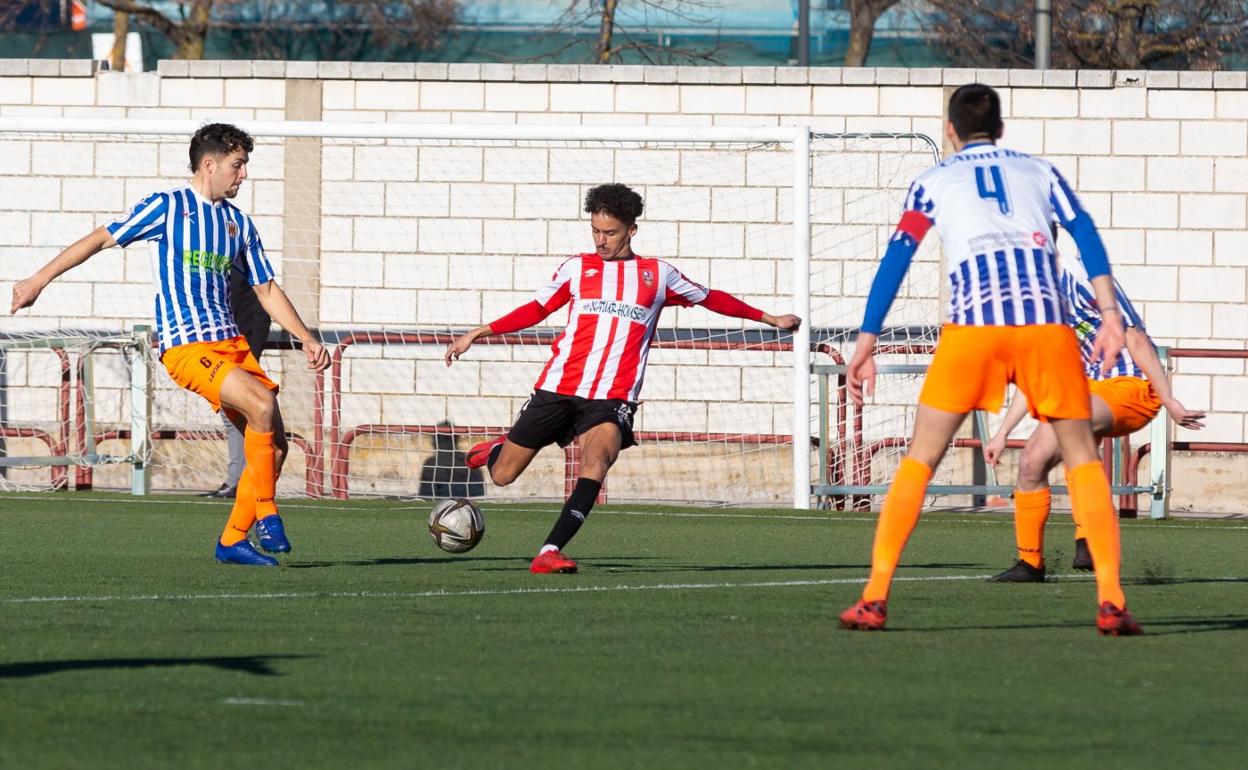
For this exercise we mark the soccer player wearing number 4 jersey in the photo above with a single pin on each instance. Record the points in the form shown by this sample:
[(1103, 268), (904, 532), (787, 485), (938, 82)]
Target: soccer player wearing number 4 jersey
[(196, 238), (588, 389), (994, 209), (1123, 401)]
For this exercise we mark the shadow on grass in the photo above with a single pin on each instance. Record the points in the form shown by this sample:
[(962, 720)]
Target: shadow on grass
[(1153, 626), (257, 665), (398, 561), (776, 567)]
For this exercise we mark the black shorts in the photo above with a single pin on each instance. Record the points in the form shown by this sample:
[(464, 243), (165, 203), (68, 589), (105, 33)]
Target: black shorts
[(553, 418)]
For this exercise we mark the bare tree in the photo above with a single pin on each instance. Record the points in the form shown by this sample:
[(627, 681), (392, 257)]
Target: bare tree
[(1094, 34), (270, 27), (121, 30), (863, 14), (617, 40)]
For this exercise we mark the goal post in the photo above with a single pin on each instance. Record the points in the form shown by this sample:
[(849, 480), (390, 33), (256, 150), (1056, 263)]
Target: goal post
[(390, 238)]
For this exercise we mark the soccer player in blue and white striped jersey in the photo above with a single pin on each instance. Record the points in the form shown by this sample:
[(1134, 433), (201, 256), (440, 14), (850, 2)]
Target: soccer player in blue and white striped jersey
[(196, 237)]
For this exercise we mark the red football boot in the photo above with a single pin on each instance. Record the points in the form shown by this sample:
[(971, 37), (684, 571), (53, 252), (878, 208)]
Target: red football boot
[(865, 616), (552, 561), (479, 455), (1111, 621)]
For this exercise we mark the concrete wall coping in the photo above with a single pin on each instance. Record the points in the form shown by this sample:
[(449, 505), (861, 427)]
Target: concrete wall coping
[(628, 73)]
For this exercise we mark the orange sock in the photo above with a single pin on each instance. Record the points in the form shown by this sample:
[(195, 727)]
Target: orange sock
[(1031, 513), (1094, 509), (243, 515), (901, 512), (258, 452)]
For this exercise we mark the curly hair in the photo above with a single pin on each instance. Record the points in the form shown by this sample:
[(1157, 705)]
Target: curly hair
[(617, 200), (218, 139)]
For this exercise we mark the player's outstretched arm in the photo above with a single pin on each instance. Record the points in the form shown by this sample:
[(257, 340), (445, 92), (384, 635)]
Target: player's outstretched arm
[(521, 318), (727, 304), (27, 290), (1142, 350), (280, 309), (1013, 416)]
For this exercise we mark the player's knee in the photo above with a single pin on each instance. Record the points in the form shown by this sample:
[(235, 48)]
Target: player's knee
[(280, 450), (262, 410), (1032, 468), (502, 476)]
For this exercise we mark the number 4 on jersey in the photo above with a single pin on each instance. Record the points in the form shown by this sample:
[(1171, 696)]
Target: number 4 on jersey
[(991, 183)]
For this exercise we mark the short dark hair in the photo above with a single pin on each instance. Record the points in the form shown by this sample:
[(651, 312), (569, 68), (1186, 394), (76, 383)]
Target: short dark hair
[(218, 139), (618, 200), (975, 110)]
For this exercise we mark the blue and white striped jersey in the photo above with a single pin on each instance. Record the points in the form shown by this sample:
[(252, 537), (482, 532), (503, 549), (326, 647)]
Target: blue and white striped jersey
[(994, 209), (193, 244), (1085, 318)]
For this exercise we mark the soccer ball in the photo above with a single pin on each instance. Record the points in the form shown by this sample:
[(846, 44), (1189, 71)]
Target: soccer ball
[(456, 525)]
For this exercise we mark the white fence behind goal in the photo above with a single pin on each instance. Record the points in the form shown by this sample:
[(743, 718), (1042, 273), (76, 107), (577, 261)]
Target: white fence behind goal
[(390, 239)]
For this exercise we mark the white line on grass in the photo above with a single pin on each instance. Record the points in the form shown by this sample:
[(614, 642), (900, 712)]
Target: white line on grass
[(260, 702), (481, 592)]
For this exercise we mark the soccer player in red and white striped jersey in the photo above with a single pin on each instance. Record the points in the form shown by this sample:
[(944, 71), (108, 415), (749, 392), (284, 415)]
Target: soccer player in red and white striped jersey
[(588, 389)]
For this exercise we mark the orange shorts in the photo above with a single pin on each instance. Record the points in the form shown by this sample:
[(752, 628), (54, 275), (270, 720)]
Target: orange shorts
[(1131, 400), (201, 367), (973, 364)]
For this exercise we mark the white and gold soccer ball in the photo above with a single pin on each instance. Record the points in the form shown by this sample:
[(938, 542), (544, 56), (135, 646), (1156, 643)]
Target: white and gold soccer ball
[(456, 525)]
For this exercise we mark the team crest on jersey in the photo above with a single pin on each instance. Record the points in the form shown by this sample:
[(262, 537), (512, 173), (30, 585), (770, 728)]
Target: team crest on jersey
[(232, 229), (1040, 238), (647, 277)]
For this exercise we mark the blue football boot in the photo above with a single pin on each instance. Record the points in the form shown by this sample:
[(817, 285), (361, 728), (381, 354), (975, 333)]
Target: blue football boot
[(243, 552), (272, 534)]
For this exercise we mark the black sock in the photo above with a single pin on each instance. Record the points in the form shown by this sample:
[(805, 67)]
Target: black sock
[(575, 510), (493, 458)]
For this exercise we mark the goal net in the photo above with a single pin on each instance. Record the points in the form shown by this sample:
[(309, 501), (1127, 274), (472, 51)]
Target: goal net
[(391, 245)]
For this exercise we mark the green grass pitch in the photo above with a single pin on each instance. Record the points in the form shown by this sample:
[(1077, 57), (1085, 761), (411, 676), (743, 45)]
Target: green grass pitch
[(691, 638)]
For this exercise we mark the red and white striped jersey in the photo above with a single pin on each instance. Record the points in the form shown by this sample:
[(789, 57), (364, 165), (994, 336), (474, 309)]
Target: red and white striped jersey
[(615, 308)]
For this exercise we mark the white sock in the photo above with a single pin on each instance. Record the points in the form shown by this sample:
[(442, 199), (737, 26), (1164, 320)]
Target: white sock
[(547, 547)]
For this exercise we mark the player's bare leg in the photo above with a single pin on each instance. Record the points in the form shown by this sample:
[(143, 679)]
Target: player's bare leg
[(255, 406), (1091, 500), (600, 447), (509, 463), (933, 430)]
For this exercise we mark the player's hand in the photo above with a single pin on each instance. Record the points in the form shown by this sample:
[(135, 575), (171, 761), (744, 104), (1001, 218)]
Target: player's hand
[(317, 355), (1110, 340), (861, 372), (786, 323), (459, 347), (1186, 418), (993, 449), (25, 292)]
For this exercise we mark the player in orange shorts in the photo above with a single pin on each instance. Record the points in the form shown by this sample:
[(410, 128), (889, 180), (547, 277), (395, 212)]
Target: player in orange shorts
[(198, 237), (1124, 400), (994, 209)]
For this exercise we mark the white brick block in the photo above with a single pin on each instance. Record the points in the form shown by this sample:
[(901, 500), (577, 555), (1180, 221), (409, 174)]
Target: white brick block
[(1216, 212), (336, 233), (482, 200), (1145, 210), (691, 204), (192, 93), (1196, 79), (846, 100), (1232, 105), (778, 100), (651, 167), (543, 201), (338, 95), (417, 199), (712, 168), (382, 376), (91, 194), (1107, 173), (1215, 137), (712, 99), (416, 271), (383, 163), (1228, 394), (1230, 174), (40, 193), (1044, 103), (450, 164), (516, 164), (16, 90), (462, 379), (711, 240), (1177, 319), (63, 91), (1229, 321), (451, 96), (129, 89), (1132, 137), (1230, 247), (353, 198), (583, 97), (1113, 103), (516, 97), (351, 269), (449, 308), (513, 236), (1125, 247), (386, 306), (63, 158), (1180, 247), (393, 95), (450, 236), (1211, 284), (15, 157), (1184, 105), (647, 98), (1180, 174), (1148, 283), (119, 299), (913, 101), (385, 234), (744, 205), (586, 166), (270, 94), (1082, 137)]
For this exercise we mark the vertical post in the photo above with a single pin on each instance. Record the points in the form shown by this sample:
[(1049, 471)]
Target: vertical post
[(803, 33), (140, 410), (1159, 453), (980, 472), (87, 388), (1044, 33), (801, 306)]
